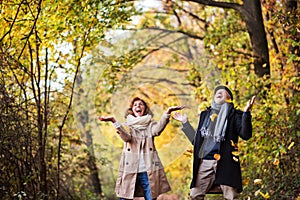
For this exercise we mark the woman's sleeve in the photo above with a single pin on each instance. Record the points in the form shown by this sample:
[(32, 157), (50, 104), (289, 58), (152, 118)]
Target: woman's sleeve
[(157, 128), (124, 134)]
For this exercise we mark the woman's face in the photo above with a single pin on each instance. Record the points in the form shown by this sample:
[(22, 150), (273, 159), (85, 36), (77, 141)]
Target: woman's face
[(138, 108), (221, 96)]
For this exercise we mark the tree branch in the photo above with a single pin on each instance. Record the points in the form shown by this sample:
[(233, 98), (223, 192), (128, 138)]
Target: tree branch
[(191, 14), (190, 35), (218, 4), (33, 27), (14, 20)]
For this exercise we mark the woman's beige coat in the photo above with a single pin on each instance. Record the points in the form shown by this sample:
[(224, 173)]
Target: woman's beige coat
[(134, 140)]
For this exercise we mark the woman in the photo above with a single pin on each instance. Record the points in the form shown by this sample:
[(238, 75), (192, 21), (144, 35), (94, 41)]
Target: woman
[(141, 173)]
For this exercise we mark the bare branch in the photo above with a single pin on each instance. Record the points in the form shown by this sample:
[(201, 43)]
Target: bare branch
[(12, 22), (33, 27), (190, 35), (218, 4), (191, 14)]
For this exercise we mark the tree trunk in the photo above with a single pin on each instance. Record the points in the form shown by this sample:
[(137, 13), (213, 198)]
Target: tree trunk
[(92, 165), (252, 14), (292, 17), (83, 117)]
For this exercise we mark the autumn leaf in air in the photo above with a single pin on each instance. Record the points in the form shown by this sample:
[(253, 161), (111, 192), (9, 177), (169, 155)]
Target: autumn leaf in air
[(266, 196), (213, 116), (235, 159), (217, 156), (257, 181), (291, 145), (276, 161), (234, 145), (188, 153)]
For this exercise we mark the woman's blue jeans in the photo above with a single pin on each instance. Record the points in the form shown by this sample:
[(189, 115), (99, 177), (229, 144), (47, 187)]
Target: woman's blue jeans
[(142, 178)]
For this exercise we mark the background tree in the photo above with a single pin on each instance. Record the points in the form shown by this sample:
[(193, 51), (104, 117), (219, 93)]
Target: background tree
[(44, 43)]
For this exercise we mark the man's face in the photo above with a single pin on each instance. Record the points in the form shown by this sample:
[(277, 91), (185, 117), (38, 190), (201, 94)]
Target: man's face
[(221, 96)]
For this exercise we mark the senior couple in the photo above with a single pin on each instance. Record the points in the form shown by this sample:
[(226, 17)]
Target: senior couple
[(215, 158)]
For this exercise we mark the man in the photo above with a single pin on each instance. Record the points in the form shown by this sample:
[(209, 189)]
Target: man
[(216, 160)]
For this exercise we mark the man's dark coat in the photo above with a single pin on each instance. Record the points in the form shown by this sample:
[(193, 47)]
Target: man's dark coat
[(228, 167)]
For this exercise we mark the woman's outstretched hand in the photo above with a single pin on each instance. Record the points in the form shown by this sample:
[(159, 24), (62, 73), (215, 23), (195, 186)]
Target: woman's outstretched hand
[(107, 119), (180, 117), (174, 108)]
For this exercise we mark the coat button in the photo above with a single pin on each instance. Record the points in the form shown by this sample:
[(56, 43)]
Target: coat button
[(150, 149), (128, 149), (126, 163)]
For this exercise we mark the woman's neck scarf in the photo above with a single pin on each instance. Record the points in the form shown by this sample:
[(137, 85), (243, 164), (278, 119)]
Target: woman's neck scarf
[(138, 122)]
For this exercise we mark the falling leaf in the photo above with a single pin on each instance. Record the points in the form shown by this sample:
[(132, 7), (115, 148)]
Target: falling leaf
[(213, 116), (228, 101), (217, 156), (257, 181), (291, 145), (187, 155), (189, 150), (256, 192), (266, 196), (276, 161), (235, 145), (245, 181), (232, 143), (235, 159), (235, 153)]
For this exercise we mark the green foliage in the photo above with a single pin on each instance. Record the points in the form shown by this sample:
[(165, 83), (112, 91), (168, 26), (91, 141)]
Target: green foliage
[(276, 156)]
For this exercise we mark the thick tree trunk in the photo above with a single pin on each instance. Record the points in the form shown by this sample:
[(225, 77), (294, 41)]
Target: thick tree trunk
[(252, 14)]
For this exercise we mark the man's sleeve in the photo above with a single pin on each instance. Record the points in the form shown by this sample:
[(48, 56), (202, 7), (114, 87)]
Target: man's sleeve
[(188, 131), (246, 126)]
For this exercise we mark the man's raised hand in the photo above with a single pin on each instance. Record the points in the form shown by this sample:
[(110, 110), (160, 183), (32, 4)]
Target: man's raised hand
[(249, 104)]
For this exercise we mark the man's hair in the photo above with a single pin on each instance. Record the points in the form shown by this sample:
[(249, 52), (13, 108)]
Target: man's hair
[(225, 88)]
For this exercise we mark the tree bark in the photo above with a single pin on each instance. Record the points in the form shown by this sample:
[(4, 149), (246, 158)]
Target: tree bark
[(83, 117), (251, 12), (292, 17)]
